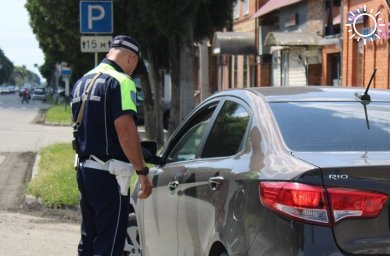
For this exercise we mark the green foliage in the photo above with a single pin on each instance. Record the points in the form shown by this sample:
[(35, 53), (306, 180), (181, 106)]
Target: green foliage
[(211, 16), (6, 69), (169, 18), (166, 30), (153, 22), (56, 25), (59, 115), (55, 184), (21, 75)]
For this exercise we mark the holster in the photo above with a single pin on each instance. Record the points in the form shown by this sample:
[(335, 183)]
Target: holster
[(75, 141)]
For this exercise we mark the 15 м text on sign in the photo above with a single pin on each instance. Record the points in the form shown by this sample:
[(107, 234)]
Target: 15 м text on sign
[(95, 43)]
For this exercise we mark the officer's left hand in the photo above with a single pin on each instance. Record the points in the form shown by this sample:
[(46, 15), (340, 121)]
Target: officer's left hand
[(145, 186)]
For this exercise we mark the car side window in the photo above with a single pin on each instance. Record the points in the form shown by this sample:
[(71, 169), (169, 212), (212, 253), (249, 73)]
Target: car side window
[(189, 140), (227, 134)]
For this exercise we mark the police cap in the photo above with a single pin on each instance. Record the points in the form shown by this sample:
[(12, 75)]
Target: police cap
[(131, 44)]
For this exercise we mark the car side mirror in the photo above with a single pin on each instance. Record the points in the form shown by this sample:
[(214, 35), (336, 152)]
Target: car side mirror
[(149, 151), (151, 146)]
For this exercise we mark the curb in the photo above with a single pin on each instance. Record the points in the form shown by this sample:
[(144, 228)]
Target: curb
[(35, 166), (31, 201)]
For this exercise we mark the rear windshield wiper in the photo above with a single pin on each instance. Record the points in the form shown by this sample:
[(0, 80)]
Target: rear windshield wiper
[(366, 98)]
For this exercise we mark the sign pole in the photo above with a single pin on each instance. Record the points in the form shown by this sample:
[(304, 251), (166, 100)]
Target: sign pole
[(96, 59), (96, 56)]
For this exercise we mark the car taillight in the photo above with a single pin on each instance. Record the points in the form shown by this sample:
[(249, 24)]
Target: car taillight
[(350, 203), (295, 200), (309, 203)]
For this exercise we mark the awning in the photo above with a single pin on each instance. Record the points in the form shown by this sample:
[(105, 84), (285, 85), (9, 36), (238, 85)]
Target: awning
[(330, 41), (291, 38), (272, 5), (234, 43)]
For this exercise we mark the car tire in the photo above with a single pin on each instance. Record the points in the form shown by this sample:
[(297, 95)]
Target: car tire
[(132, 243)]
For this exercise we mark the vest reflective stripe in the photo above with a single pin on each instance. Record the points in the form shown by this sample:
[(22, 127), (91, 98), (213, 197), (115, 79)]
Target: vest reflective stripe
[(127, 85)]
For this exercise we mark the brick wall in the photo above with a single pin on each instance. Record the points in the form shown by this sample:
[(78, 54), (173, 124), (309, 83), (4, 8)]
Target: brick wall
[(315, 16), (244, 23), (373, 54)]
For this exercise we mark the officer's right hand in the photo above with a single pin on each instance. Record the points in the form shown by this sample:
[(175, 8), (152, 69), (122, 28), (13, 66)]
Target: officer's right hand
[(145, 186)]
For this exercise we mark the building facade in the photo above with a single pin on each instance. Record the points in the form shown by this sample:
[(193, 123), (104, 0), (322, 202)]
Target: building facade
[(303, 39), (295, 44), (366, 45)]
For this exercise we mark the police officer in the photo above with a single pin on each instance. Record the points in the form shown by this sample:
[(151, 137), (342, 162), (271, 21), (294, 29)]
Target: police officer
[(106, 131)]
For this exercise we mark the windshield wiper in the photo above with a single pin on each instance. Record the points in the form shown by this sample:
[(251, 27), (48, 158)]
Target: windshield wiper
[(366, 98)]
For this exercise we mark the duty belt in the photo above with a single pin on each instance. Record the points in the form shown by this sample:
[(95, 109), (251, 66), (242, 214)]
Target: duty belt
[(95, 163)]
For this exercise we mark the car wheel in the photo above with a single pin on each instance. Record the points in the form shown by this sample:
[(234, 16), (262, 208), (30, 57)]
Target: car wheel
[(132, 243)]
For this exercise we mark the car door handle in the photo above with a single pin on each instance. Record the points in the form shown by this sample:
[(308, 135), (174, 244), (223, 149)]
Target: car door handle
[(215, 182), (173, 185)]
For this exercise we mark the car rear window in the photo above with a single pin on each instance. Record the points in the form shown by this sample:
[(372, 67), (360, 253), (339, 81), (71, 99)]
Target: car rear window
[(334, 126)]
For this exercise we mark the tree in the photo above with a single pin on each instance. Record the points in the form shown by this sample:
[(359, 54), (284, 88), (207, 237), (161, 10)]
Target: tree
[(166, 29), (180, 24), (21, 75), (57, 27), (6, 69), (154, 48)]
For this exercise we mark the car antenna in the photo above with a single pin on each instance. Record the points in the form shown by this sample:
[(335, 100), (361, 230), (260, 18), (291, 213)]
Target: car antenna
[(366, 96)]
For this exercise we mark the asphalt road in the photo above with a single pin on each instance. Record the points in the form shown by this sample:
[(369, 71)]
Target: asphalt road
[(29, 231)]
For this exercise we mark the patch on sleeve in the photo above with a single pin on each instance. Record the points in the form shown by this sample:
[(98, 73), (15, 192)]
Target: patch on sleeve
[(133, 96)]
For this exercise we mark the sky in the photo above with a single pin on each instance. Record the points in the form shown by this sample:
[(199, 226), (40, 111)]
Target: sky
[(17, 40)]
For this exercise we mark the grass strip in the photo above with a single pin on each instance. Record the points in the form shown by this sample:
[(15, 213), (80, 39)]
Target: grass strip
[(59, 115), (55, 183)]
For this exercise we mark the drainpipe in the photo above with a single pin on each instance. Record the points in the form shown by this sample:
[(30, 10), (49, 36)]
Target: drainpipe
[(341, 40)]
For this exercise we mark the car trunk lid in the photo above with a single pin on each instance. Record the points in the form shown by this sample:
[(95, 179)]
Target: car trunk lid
[(368, 173)]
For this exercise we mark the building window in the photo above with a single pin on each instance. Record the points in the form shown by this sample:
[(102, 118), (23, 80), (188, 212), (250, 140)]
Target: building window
[(245, 72), (236, 13), (332, 17), (235, 71), (245, 6)]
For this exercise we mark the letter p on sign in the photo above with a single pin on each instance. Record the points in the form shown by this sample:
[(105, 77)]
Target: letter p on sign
[(96, 17), (93, 9)]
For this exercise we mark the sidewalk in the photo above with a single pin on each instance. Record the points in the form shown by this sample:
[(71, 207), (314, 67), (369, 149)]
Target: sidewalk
[(26, 235)]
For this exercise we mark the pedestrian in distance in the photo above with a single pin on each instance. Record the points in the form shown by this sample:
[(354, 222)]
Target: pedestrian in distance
[(106, 140), (25, 95)]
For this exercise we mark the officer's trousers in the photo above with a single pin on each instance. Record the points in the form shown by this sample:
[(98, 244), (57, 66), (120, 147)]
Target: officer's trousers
[(104, 213)]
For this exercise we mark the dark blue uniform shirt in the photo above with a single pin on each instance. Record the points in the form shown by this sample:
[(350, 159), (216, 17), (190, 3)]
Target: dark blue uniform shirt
[(112, 95)]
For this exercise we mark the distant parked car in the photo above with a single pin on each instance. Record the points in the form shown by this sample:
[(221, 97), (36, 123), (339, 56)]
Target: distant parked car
[(39, 94), (11, 89), (272, 171)]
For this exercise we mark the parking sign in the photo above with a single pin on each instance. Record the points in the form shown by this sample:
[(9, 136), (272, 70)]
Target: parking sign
[(96, 17)]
